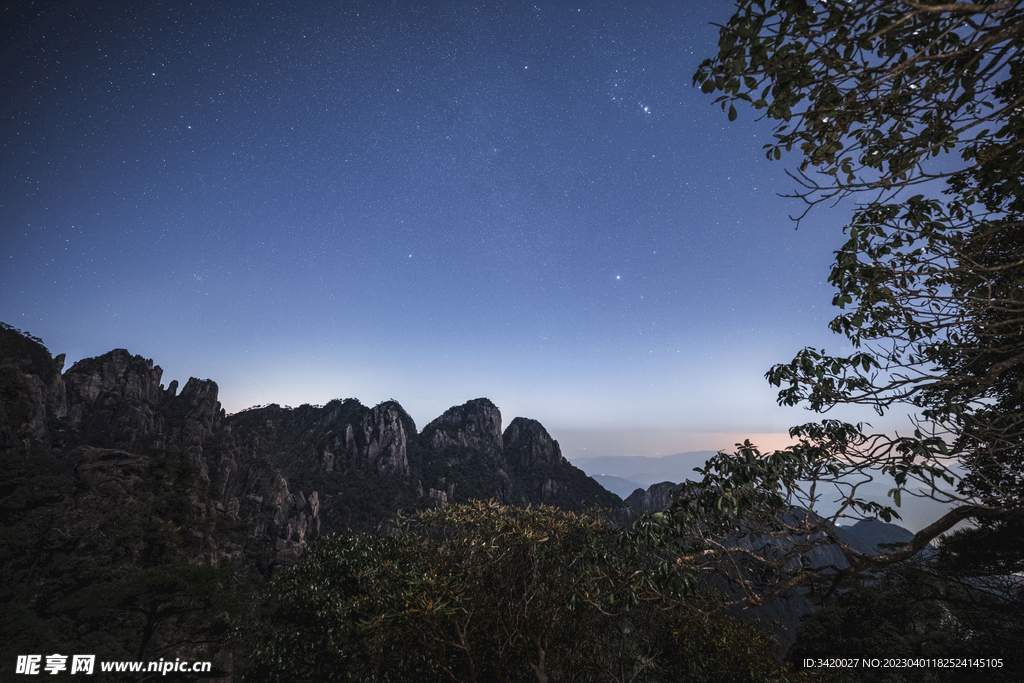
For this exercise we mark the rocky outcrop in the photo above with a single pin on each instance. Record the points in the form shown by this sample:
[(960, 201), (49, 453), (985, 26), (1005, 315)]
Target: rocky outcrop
[(535, 463), (387, 428), (109, 472), (273, 477), (197, 411), (655, 498), (527, 445), (333, 435), (114, 400), (32, 392), (117, 374), (475, 425), (299, 523), (117, 401), (193, 417), (343, 436), (437, 498)]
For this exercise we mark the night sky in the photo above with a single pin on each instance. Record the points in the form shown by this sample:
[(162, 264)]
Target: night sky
[(425, 201)]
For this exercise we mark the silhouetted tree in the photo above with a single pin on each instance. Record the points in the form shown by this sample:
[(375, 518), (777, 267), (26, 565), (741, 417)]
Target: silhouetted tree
[(877, 98)]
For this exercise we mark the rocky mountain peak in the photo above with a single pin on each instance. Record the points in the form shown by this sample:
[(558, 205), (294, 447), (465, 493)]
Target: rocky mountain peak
[(199, 408), (475, 425), (32, 392), (388, 428), (114, 400), (655, 498), (527, 444), (118, 375)]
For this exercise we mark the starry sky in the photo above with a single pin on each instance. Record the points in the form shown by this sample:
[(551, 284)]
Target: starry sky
[(425, 201)]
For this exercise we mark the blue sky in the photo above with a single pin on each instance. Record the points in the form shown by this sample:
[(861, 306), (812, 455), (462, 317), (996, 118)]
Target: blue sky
[(429, 202)]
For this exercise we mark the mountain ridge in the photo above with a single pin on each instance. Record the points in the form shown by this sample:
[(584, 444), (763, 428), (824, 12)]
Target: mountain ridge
[(274, 476), (642, 471)]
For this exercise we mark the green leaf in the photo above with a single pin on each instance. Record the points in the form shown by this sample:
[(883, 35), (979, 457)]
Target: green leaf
[(895, 495)]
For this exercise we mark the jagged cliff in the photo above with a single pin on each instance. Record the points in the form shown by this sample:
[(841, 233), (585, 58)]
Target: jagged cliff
[(270, 478), (367, 463), (114, 426)]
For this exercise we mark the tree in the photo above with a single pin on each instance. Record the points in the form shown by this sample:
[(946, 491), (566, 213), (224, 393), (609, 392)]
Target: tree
[(166, 607), (487, 592), (912, 613), (882, 99)]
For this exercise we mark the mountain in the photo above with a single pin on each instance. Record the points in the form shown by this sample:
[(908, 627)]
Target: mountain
[(645, 471), (367, 463), (873, 535), (617, 485), (275, 477), (137, 521)]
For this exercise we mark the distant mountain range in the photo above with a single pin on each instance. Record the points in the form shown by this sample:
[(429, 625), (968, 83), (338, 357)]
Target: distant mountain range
[(624, 474)]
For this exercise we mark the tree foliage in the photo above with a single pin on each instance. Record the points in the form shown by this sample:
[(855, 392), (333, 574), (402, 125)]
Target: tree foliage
[(882, 100), (486, 592), (913, 612)]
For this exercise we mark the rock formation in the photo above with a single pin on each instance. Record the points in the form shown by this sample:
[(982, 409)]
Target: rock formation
[(656, 497), (121, 431), (475, 425), (270, 477), (536, 460), (369, 462), (32, 393), (387, 428), (527, 444)]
